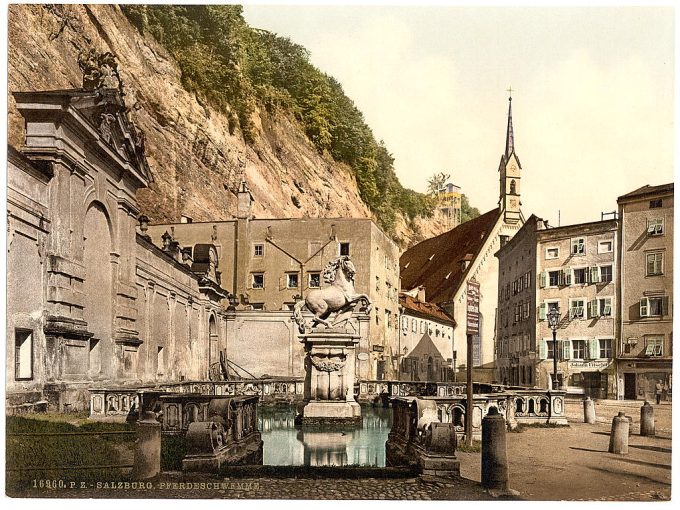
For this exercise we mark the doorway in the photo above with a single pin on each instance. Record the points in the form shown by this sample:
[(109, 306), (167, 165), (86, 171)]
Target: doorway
[(629, 386)]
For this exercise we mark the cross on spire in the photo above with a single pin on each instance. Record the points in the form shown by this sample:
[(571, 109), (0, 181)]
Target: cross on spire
[(509, 91)]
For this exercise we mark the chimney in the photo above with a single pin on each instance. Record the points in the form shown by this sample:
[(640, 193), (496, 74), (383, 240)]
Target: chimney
[(245, 201)]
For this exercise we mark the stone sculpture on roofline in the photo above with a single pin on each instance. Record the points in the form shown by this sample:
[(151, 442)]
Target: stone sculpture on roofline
[(330, 351)]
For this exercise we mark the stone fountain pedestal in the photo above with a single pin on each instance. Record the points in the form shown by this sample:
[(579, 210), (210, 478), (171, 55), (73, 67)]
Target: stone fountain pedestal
[(330, 374)]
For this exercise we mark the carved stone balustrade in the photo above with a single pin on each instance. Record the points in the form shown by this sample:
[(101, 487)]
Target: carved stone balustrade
[(269, 390), (418, 437), (228, 436), (114, 404)]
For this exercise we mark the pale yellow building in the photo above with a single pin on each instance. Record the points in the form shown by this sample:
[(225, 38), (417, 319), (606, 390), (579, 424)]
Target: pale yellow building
[(570, 269), (267, 264), (645, 327)]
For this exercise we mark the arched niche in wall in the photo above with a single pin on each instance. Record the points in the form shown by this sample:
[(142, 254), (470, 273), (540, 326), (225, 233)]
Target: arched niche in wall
[(98, 288), (213, 343)]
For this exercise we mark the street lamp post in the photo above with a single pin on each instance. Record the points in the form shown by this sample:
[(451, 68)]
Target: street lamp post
[(553, 322)]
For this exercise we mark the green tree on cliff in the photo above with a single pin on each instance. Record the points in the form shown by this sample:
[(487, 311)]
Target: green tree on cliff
[(235, 67)]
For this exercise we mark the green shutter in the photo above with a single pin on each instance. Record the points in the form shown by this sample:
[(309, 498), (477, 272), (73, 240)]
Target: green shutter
[(644, 307), (566, 349), (542, 279), (594, 348), (543, 349), (594, 274), (541, 311)]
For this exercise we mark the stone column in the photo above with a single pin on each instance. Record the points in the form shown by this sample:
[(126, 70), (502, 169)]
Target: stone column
[(618, 438), (494, 453), (147, 447), (589, 411), (647, 427)]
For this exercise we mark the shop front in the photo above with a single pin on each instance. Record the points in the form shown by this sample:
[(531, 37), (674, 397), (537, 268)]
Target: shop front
[(638, 380)]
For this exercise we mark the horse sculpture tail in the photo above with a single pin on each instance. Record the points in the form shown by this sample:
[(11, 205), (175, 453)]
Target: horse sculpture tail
[(297, 314)]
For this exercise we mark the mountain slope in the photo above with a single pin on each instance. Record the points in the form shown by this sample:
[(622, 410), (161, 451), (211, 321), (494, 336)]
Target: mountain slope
[(195, 159)]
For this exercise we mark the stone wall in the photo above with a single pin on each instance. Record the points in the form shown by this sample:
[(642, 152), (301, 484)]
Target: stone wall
[(91, 303)]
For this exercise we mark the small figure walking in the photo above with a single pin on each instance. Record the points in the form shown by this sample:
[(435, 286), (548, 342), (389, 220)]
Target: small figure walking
[(657, 391)]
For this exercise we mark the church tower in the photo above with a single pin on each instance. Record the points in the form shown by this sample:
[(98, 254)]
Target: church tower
[(510, 172)]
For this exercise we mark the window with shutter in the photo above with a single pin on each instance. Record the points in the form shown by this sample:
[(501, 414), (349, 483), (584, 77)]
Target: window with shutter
[(605, 307), (594, 349), (576, 308), (550, 348), (605, 345), (566, 349), (654, 264), (542, 311), (644, 307), (578, 246), (594, 274), (542, 279), (654, 345), (655, 226), (592, 309), (655, 306), (579, 349)]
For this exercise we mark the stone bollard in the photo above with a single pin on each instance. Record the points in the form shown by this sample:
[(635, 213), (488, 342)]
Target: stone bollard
[(589, 411), (494, 453), (630, 425), (147, 447), (647, 427), (618, 438)]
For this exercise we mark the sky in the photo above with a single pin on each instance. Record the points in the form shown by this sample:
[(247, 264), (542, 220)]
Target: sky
[(593, 106)]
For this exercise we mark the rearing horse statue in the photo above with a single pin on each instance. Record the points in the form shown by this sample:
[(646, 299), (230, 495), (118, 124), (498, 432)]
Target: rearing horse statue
[(339, 297)]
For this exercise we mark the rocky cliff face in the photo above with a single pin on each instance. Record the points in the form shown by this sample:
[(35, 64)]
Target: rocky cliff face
[(195, 161)]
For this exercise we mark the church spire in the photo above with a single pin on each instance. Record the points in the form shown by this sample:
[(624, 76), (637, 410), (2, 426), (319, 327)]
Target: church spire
[(509, 136), (510, 174)]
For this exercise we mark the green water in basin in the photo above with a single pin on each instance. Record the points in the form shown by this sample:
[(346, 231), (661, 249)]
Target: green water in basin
[(284, 445)]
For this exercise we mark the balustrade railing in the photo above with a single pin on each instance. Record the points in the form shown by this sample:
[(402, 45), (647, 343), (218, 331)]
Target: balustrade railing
[(269, 390), (518, 406)]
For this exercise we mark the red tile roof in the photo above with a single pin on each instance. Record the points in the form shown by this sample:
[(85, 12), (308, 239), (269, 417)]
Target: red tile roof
[(425, 310), (435, 262)]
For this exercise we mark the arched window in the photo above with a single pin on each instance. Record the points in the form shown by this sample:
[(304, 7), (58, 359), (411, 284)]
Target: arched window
[(513, 187)]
